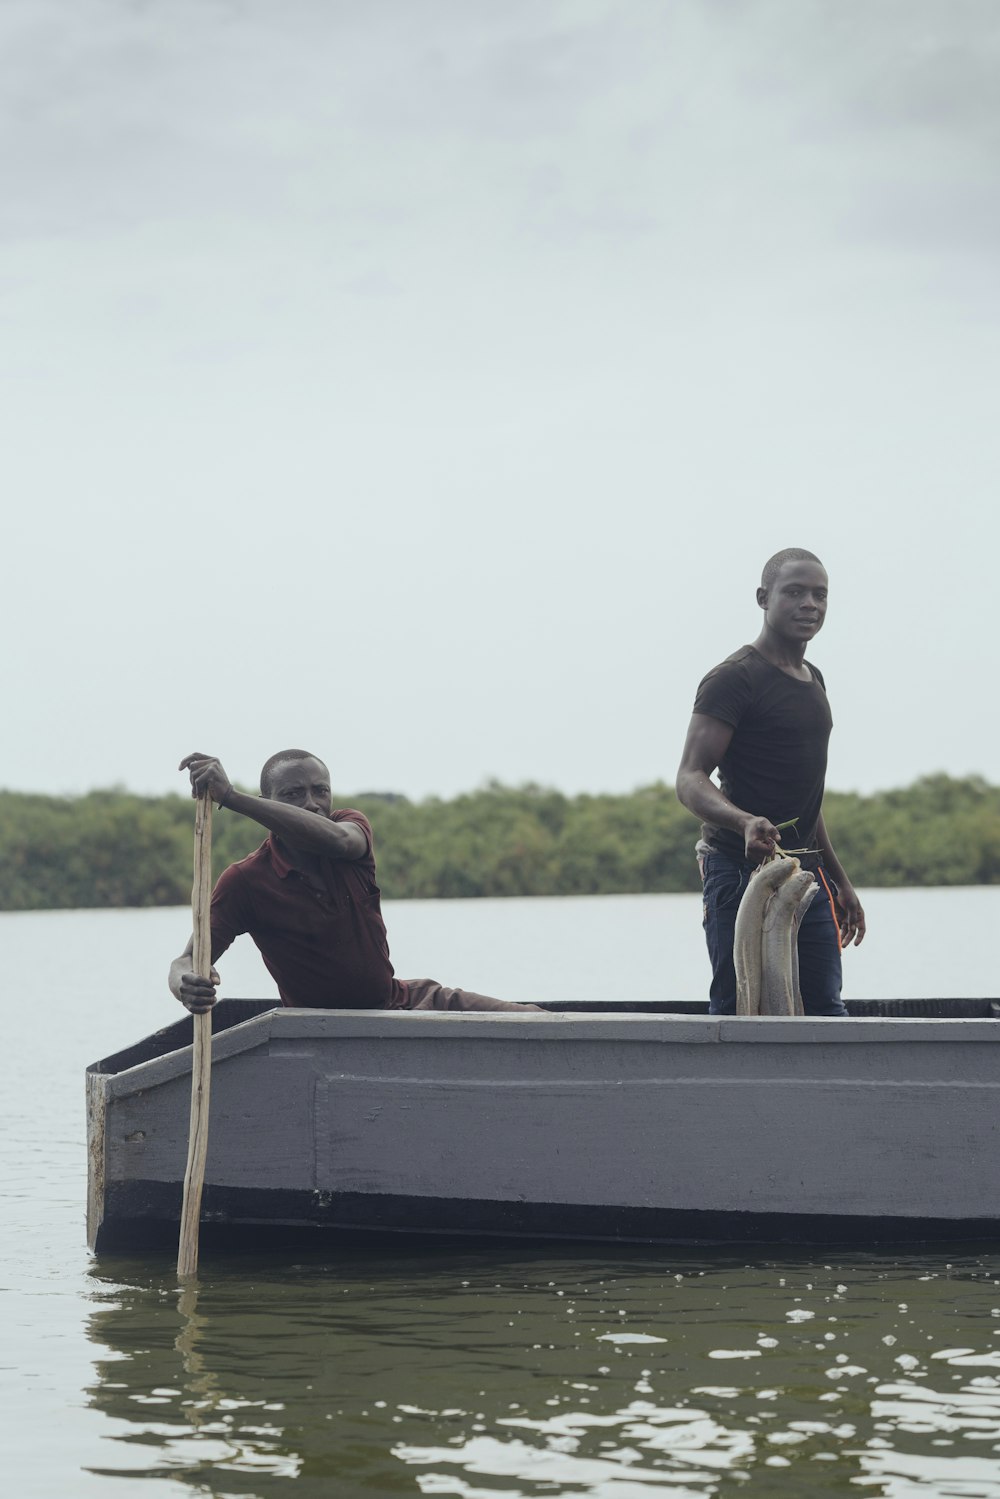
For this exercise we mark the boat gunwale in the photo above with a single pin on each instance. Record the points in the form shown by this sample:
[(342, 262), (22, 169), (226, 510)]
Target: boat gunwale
[(278, 1024)]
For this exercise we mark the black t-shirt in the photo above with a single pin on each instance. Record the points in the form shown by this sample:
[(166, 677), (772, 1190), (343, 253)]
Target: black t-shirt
[(775, 765)]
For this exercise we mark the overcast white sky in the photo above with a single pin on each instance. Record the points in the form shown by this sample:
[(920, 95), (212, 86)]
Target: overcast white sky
[(424, 382)]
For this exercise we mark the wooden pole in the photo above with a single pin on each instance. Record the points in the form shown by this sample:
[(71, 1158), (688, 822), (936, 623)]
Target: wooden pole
[(201, 1065)]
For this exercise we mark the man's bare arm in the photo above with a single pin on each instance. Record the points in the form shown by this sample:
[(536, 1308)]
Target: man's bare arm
[(302, 829), (706, 743), (305, 830)]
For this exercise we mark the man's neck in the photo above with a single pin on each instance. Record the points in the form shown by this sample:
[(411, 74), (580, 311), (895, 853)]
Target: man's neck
[(786, 655)]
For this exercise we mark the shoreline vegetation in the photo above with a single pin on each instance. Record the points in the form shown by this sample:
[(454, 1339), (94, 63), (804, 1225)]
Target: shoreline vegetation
[(113, 849)]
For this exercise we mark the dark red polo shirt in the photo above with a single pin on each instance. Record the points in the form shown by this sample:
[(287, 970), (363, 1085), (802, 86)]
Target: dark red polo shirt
[(322, 937)]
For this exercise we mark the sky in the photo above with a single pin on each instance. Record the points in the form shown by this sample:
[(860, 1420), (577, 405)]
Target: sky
[(424, 382)]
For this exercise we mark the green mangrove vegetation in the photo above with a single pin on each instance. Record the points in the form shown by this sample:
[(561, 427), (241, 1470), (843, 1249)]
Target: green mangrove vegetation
[(111, 848)]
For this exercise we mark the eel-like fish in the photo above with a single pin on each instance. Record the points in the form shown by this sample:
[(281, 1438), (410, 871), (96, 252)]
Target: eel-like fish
[(747, 953), (779, 988), (800, 911)]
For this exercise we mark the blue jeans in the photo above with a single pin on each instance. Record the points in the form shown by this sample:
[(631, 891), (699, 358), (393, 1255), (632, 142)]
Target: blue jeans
[(724, 880)]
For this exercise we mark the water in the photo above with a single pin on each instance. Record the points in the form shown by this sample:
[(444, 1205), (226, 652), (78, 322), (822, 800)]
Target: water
[(482, 1370)]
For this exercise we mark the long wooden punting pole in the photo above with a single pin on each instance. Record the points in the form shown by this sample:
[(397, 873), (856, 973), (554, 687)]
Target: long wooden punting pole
[(201, 1066)]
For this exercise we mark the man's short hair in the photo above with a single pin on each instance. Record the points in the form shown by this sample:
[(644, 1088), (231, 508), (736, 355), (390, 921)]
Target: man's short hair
[(773, 565), (269, 766)]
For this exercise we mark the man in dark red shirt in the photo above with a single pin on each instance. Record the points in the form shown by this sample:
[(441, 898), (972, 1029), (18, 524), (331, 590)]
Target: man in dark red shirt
[(309, 899)]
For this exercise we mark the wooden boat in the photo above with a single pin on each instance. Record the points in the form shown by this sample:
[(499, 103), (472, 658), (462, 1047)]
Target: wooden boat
[(658, 1124)]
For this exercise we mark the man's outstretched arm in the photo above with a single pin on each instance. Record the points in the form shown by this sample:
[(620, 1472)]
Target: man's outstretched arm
[(849, 909), (305, 830), (706, 743)]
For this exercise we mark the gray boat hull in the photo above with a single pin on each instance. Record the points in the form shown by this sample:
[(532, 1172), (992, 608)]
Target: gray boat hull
[(604, 1125)]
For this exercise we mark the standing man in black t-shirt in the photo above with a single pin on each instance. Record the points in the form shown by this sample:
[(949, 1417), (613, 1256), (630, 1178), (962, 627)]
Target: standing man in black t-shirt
[(762, 719)]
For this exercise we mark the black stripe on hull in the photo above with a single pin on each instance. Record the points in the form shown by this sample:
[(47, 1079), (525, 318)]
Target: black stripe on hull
[(145, 1215)]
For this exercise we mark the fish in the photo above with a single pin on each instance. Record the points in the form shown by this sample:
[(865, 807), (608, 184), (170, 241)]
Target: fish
[(747, 955), (765, 947), (780, 992)]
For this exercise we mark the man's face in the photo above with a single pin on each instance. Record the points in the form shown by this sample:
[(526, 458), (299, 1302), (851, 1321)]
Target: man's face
[(795, 604), (302, 783)]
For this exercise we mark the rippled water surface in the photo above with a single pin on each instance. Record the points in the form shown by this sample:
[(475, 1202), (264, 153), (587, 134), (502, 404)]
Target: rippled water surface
[(463, 1368), (509, 1371)]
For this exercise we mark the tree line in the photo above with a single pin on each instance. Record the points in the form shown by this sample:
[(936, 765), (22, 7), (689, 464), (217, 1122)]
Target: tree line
[(112, 848)]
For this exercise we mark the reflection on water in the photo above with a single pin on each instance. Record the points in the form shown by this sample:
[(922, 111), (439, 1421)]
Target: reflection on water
[(509, 1371)]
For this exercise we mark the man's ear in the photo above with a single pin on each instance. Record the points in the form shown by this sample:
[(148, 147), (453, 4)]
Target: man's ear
[(762, 598)]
